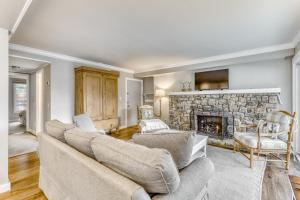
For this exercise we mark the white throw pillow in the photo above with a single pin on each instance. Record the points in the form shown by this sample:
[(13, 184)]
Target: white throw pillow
[(85, 123)]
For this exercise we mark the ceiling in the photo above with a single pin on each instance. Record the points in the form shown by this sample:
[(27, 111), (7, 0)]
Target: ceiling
[(24, 65), (9, 12), (144, 35)]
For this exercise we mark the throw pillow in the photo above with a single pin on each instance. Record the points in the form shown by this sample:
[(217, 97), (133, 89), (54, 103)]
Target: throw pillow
[(179, 143), (153, 169)]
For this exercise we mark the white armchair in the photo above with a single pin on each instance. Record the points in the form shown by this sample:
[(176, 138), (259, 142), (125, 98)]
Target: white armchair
[(273, 136)]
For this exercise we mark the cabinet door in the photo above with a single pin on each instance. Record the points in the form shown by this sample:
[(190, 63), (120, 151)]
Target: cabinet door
[(93, 95), (110, 96)]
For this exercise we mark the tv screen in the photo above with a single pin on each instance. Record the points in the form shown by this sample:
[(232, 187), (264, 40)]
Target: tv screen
[(211, 80)]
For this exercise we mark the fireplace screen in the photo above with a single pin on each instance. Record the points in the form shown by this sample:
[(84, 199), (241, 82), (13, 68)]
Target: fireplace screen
[(214, 126)]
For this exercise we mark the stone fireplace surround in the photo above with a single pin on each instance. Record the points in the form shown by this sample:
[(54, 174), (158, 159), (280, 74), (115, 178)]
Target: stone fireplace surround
[(247, 106)]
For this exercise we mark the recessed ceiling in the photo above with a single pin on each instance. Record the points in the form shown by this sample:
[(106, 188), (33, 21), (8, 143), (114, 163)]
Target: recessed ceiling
[(24, 65), (9, 12), (143, 34)]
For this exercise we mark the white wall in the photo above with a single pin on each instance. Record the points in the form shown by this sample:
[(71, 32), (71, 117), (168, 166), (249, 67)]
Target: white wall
[(63, 88), (4, 182), (263, 74)]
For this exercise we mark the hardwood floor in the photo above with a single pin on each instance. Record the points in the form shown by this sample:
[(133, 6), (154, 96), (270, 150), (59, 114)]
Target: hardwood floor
[(24, 175)]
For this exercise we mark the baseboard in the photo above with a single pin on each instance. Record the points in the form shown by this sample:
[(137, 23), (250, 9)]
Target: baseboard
[(5, 187), (31, 131)]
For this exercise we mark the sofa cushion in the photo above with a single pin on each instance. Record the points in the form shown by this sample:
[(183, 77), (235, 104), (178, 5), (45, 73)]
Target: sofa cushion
[(193, 179), (179, 144), (56, 129), (153, 169), (81, 140)]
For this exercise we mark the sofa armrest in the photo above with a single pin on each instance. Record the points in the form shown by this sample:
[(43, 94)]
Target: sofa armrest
[(76, 176), (193, 179)]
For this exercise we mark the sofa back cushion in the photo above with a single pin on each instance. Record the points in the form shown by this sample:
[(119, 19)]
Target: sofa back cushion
[(57, 129), (153, 169), (178, 143), (81, 140)]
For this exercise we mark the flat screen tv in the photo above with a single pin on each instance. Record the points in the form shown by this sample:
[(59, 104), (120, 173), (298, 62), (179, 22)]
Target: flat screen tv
[(212, 80)]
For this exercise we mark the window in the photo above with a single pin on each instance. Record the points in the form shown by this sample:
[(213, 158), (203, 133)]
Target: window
[(20, 97)]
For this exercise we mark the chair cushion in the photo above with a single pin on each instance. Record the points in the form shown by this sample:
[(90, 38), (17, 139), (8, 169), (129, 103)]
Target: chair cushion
[(81, 140), (250, 139), (56, 129), (153, 169), (193, 179), (152, 125), (179, 143)]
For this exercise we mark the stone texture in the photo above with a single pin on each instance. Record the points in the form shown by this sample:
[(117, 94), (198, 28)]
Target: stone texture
[(243, 108)]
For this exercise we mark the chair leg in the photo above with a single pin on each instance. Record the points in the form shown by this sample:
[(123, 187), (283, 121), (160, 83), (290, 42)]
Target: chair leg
[(251, 158), (234, 143), (288, 157)]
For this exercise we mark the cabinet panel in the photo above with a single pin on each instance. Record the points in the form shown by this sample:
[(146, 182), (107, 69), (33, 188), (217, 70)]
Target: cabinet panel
[(110, 96), (93, 95)]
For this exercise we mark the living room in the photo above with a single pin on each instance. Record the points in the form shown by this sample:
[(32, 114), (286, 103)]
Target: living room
[(200, 97)]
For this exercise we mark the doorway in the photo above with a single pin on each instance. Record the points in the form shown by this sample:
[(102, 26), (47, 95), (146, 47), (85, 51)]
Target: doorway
[(29, 103), (134, 99)]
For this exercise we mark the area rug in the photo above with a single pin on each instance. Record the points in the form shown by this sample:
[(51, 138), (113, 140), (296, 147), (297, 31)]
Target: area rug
[(233, 179), (21, 143)]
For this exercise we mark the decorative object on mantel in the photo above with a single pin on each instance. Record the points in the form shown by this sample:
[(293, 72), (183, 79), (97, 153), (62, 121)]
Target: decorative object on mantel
[(160, 93), (186, 86)]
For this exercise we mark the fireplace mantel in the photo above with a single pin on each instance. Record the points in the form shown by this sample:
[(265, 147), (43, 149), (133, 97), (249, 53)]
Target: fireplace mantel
[(239, 91)]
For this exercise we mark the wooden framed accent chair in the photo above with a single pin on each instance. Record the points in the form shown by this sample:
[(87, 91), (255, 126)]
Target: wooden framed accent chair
[(273, 137)]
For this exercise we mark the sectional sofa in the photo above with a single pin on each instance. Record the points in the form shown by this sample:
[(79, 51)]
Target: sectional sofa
[(89, 166)]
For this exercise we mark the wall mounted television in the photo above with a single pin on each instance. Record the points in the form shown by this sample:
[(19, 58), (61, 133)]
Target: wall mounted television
[(212, 80)]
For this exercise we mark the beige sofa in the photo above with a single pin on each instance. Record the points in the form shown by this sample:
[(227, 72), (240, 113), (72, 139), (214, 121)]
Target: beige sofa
[(67, 174)]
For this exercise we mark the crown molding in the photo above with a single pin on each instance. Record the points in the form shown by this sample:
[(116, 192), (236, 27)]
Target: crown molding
[(20, 17), (49, 54), (222, 57)]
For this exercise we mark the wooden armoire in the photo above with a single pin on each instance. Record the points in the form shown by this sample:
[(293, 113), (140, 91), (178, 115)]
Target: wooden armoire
[(96, 93)]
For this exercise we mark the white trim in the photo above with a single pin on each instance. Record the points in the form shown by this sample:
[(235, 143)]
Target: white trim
[(296, 88), (26, 77), (126, 84), (5, 187), (20, 17), (251, 52), (40, 52), (240, 91), (28, 58)]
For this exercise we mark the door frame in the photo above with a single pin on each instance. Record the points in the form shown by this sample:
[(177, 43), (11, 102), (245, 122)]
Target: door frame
[(26, 77), (296, 94), (126, 85)]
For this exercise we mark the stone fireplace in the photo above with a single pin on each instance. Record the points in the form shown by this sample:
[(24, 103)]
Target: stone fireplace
[(216, 113)]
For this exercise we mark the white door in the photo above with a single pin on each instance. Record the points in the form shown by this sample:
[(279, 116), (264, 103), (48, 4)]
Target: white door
[(297, 106), (134, 98)]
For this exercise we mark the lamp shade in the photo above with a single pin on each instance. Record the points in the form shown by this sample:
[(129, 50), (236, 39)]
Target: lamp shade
[(160, 93)]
